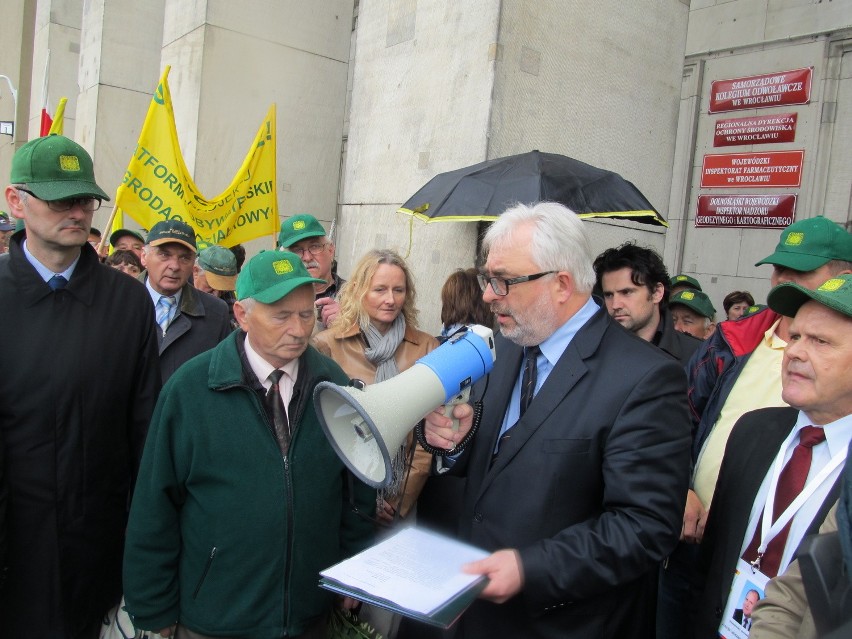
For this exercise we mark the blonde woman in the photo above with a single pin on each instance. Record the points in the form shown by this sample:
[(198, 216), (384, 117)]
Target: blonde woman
[(373, 338)]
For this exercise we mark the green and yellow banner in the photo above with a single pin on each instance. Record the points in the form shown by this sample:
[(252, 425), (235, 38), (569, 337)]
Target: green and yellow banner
[(157, 185)]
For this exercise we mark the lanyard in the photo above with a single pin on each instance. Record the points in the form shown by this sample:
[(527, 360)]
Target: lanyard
[(769, 532)]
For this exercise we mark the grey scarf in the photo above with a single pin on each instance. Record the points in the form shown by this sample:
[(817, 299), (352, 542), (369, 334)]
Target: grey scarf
[(380, 351)]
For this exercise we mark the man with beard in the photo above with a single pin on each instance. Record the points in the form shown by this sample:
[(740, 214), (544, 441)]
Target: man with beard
[(634, 283), (577, 473), (305, 236)]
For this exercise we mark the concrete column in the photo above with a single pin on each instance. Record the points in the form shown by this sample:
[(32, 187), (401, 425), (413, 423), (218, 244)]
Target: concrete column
[(230, 62), (119, 67), (16, 34), (440, 85), (55, 56)]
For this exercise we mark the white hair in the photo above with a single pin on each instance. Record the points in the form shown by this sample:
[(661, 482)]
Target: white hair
[(559, 240)]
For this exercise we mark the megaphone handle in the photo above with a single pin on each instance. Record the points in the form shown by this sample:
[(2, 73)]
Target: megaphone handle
[(461, 398)]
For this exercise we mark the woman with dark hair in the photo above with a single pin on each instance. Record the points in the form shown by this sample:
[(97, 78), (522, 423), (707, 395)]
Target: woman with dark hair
[(462, 303), (374, 338), (736, 303), (125, 261)]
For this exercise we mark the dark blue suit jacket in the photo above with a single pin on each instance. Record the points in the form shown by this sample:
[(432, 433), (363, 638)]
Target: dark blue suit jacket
[(590, 488)]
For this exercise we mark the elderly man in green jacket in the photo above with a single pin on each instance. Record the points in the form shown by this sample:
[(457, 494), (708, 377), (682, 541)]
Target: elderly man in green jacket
[(241, 500)]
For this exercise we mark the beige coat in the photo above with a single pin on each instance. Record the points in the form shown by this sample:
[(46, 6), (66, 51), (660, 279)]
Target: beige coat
[(785, 612), (347, 350)]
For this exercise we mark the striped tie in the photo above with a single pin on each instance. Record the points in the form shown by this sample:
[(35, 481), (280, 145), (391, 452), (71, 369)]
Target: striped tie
[(164, 309)]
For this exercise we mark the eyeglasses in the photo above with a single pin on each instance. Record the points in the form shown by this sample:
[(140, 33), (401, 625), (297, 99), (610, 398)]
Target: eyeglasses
[(500, 286), (88, 204), (313, 249)]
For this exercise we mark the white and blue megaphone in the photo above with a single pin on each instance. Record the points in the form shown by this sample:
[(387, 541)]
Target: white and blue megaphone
[(366, 427)]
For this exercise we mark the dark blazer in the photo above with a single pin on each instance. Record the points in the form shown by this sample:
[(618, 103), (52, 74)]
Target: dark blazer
[(201, 323), (590, 487), (79, 382), (752, 447), (679, 345)]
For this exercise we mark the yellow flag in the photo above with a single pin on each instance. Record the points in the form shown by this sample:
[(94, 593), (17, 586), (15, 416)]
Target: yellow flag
[(157, 185), (58, 118)]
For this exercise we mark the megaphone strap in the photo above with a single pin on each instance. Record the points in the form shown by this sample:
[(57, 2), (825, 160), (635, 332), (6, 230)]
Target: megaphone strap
[(420, 433)]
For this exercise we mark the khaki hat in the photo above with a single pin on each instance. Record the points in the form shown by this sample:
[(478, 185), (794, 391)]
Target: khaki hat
[(271, 275), (299, 227), (808, 244), (836, 294), (55, 168), (694, 300), (172, 231), (219, 266)]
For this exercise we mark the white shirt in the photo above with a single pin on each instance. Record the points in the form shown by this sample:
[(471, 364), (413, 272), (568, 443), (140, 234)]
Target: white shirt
[(837, 437), (262, 369), (45, 273)]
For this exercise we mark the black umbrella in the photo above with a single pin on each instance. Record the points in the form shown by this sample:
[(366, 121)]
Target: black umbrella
[(483, 191)]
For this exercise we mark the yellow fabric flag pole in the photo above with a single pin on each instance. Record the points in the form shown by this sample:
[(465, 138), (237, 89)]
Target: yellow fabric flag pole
[(157, 185), (58, 125)]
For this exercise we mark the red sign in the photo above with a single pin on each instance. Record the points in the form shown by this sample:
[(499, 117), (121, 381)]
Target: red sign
[(746, 211), (772, 168), (759, 91), (758, 129)]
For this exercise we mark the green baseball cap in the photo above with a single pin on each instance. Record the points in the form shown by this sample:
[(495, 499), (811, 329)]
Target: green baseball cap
[(172, 231), (751, 310), (219, 266), (299, 227), (835, 293), (6, 224), (685, 280), (272, 275), (120, 233), (695, 300), (808, 244), (55, 168)]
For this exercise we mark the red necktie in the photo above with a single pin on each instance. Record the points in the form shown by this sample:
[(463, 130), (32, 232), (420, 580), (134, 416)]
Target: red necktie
[(790, 484)]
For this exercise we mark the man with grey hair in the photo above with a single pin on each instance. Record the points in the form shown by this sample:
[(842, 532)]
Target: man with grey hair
[(577, 471), (188, 320)]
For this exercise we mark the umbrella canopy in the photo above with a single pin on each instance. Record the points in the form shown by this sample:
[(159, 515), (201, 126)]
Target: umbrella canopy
[(483, 191)]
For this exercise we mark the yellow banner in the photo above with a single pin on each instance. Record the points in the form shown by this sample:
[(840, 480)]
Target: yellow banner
[(58, 118), (157, 185)]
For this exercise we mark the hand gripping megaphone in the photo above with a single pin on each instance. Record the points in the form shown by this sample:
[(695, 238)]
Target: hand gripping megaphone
[(366, 426)]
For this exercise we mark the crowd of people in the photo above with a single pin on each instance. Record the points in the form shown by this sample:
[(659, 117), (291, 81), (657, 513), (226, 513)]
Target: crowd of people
[(635, 466)]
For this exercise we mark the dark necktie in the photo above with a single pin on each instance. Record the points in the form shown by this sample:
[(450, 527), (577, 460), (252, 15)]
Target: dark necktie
[(57, 282), (790, 484), (529, 378), (275, 406), (528, 381)]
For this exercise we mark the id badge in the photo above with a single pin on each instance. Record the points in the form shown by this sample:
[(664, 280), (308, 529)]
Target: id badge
[(746, 590)]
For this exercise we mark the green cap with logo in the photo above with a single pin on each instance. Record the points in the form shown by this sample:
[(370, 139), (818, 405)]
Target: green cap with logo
[(808, 244), (55, 168), (6, 224), (755, 308), (299, 227), (272, 275), (835, 293), (172, 231), (694, 300), (219, 266), (120, 233), (685, 280)]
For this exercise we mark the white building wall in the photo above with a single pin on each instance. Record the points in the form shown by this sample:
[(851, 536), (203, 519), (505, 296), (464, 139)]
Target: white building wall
[(736, 38)]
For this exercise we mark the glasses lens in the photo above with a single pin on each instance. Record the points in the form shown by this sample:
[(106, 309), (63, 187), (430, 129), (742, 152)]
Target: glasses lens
[(88, 204)]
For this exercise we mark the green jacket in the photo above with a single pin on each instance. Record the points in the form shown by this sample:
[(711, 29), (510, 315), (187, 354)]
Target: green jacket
[(225, 535)]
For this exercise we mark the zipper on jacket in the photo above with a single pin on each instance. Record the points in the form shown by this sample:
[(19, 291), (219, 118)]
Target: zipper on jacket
[(204, 573), (288, 489)]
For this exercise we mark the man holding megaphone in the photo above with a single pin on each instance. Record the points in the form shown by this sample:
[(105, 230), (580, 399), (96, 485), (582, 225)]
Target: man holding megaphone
[(577, 474)]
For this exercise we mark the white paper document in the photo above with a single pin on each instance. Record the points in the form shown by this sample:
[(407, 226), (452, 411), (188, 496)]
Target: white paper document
[(415, 569)]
